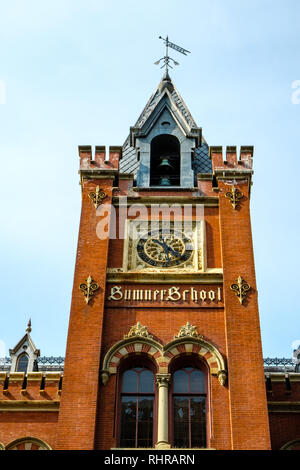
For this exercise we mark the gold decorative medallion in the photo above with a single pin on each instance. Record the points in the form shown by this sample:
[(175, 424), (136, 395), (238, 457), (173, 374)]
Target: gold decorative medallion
[(88, 288), (234, 195), (240, 289), (98, 196)]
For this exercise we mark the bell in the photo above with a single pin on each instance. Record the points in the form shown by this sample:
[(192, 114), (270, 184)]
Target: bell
[(165, 165), (165, 181)]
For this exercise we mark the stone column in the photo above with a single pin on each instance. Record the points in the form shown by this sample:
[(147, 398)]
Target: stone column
[(163, 381)]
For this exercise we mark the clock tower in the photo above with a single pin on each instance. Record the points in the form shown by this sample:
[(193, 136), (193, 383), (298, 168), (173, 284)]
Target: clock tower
[(164, 347)]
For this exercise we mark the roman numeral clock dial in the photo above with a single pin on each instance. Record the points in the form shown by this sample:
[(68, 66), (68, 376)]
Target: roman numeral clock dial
[(164, 249)]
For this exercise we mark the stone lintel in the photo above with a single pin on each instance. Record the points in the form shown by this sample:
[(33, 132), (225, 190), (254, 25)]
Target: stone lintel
[(29, 405)]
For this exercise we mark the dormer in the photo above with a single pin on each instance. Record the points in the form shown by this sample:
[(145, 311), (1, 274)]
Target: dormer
[(24, 355)]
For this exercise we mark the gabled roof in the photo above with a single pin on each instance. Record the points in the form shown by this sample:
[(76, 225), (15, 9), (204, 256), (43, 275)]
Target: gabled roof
[(25, 339), (166, 96)]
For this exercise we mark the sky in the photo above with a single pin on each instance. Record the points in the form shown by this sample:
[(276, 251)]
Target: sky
[(79, 73)]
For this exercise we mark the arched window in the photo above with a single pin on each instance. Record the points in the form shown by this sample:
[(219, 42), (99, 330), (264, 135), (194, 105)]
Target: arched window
[(189, 407), (22, 363), (137, 407), (165, 161), (28, 443)]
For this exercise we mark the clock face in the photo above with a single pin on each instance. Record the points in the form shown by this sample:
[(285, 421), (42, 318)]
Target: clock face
[(164, 248)]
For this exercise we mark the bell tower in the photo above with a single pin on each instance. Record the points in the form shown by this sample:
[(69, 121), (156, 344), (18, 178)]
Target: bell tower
[(164, 347)]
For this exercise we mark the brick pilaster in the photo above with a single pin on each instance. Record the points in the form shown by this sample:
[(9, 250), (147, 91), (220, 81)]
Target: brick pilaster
[(78, 409)]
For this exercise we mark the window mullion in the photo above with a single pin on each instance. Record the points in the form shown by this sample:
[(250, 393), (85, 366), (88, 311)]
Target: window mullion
[(136, 421)]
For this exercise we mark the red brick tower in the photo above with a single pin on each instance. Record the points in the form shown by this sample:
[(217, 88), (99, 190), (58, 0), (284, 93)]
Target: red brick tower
[(164, 346)]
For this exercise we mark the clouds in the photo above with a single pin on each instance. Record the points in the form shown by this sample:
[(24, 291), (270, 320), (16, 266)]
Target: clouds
[(80, 72)]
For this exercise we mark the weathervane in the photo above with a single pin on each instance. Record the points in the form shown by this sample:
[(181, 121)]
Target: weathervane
[(166, 59)]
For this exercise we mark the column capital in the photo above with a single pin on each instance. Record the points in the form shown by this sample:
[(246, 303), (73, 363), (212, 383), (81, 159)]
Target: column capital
[(163, 380)]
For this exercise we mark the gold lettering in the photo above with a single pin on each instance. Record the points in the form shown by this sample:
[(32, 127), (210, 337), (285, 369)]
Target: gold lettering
[(155, 293), (203, 295), (127, 294), (185, 292), (148, 295), (174, 291), (116, 293), (137, 295), (211, 295), (194, 295), (162, 293)]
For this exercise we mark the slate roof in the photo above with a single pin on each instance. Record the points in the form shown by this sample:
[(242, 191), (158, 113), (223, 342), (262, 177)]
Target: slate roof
[(129, 162)]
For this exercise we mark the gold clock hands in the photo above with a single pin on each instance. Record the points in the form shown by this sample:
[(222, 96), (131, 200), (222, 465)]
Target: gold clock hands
[(167, 249)]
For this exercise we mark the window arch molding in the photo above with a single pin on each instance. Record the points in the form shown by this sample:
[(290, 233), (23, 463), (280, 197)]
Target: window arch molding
[(205, 350), (163, 355), (130, 346), (18, 444), (291, 445)]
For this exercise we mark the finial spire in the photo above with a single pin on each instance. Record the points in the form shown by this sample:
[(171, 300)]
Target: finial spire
[(166, 59), (28, 329)]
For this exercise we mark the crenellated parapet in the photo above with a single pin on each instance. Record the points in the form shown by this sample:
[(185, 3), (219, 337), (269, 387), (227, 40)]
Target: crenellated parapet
[(99, 164), (231, 167), (232, 162)]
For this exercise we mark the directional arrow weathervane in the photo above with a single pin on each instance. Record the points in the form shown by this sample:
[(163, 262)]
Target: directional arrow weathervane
[(166, 59)]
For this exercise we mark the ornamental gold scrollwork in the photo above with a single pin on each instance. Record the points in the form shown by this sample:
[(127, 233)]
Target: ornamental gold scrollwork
[(138, 330), (235, 196), (188, 330), (88, 288), (240, 288), (97, 196)]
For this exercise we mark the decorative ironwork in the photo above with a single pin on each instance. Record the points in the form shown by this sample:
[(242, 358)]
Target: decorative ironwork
[(138, 330), (59, 361), (28, 329), (97, 196), (189, 330), (278, 361), (235, 196), (50, 360), (240, 289), (166, 59), (88, 288)]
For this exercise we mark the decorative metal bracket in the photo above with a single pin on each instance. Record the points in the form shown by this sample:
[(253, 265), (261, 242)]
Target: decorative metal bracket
[(97, 196), (88, 288), (240, 289), (234, 195)]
